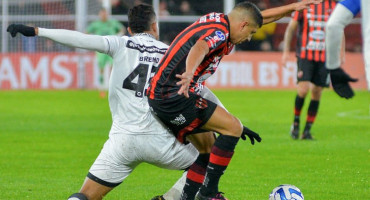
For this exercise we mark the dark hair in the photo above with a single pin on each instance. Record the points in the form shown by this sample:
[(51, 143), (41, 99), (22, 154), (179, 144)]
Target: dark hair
[(253, 10), (140, 18)]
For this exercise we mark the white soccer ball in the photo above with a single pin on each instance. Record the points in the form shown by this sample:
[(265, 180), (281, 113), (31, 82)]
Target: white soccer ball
[(286, 192)]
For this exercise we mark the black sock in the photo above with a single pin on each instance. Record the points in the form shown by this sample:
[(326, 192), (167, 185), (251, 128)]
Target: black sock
[(311, 114), (195, 177), (299, 101), (221, 154)]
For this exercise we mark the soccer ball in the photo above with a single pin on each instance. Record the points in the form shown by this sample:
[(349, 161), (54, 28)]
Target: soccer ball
[(286, 192)]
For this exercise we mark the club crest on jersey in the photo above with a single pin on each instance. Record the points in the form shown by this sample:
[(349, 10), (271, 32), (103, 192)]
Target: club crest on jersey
[(220, 35), (201, 103)]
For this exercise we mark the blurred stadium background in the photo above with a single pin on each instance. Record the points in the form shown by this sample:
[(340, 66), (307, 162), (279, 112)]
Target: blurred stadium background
[(38, 63)]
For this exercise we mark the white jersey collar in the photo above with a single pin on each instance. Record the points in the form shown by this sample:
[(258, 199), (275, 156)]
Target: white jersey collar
[(145, 34)]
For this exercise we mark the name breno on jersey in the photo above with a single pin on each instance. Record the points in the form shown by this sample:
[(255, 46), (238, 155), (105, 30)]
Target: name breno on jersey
[(149, 59)]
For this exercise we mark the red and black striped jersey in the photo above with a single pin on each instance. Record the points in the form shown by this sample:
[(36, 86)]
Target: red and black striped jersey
[(311, 32), (212, 28)]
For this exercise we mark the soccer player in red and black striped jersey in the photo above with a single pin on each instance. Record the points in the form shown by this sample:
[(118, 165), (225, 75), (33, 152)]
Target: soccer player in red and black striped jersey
[(173, 93), (310, 52)]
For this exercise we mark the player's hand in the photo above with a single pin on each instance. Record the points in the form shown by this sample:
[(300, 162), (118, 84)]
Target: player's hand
[(305, 4), (28, 31), (284, 59), (251, 134), (340, 81), (186, 78)]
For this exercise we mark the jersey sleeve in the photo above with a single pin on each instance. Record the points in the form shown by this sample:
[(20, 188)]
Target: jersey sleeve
[(115, 44), (75, 39), (214, 38)]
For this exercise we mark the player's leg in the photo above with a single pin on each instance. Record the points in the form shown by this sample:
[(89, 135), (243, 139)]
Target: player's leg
[(195, 176), (312, 111), (174, 193), (173, 155), (303, 76), (230, 129), (109, 169), (365, 6), (91, 190), (194, 179), (194, 112), (320, 79)]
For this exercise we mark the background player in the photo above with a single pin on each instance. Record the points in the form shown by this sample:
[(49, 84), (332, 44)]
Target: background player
[(104, 26), (191, 58), (134, 127), (310, 53)]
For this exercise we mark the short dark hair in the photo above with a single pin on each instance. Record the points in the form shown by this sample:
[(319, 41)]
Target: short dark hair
[(140, 18), (253, 10)]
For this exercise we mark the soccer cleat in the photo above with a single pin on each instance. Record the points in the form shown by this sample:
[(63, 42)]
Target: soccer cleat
[(159, 197), (306, 136), (217, 196), (294, 131)]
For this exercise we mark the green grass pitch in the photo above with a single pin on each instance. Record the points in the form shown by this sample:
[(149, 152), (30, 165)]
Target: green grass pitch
[(49, 139)]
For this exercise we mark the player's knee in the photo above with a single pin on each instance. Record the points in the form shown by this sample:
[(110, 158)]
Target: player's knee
[(302, 91), (77, 196), (316, 93), (237, 127)]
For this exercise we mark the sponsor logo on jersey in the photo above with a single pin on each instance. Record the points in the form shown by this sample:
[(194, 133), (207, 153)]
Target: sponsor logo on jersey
[(315, 46), (317, 35), (220, 35), (313, 23), (179, 120), (142, 48)]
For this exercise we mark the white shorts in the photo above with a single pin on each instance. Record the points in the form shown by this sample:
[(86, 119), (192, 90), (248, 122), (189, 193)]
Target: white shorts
[(123, 152)]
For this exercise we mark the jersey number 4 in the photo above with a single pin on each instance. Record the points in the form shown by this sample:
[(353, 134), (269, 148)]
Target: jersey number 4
[(137, 79)]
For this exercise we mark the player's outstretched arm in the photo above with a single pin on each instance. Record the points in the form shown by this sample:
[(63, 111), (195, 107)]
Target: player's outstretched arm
[(274, 14), (62, 36)]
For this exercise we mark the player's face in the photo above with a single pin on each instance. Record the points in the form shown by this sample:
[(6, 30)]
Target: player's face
[(246, 31), (103, 15)]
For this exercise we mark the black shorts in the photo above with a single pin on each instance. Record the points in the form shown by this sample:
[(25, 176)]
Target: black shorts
[(312, 71), (183, 115)]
